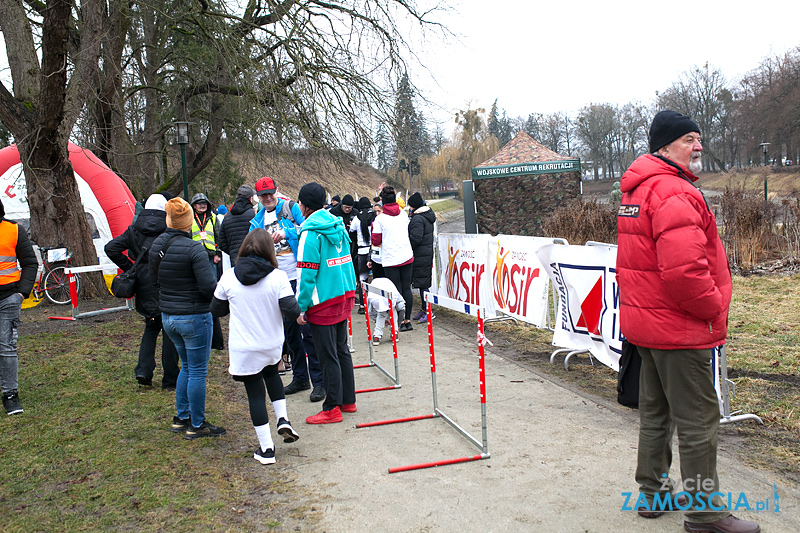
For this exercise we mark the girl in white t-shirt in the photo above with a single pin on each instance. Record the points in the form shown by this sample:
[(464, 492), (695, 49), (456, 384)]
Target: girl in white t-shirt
[(257, 293)]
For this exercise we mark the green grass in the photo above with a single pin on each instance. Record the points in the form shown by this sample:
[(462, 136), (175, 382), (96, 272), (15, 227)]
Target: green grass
[(447, 206), (763, 350), (782, 182), (93, 451)]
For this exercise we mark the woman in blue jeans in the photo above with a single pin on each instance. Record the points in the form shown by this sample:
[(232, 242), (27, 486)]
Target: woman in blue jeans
[(186, 286)]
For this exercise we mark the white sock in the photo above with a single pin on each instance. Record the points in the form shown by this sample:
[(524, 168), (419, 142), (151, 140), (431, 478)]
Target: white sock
[(280, 409), (264, 437)]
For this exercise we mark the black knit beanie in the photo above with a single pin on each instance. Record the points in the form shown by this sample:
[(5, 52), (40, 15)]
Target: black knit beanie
[(668, 126), (348, 200), (416, 201), (312, 195)]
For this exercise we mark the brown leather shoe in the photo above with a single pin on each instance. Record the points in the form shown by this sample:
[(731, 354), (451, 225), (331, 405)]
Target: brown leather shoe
[(729, 524), (682, 501)]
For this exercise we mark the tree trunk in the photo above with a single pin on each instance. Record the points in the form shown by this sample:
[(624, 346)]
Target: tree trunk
[(57, 216)]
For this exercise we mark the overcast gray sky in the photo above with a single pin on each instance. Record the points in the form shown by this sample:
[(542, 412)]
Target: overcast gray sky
[(549, 56), (560, 55)]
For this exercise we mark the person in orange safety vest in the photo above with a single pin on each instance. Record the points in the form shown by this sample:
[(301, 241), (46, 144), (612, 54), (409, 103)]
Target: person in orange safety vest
[(18, 266)]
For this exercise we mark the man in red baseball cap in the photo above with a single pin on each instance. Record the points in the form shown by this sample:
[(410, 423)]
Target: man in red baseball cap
[(282, 218), (266, 185)]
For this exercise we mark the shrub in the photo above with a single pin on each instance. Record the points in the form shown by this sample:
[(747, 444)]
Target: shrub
[(747, 227), (579, 221)]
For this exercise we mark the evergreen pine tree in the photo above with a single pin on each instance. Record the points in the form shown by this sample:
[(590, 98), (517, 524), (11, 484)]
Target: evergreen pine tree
[(505, 130), (383, 149), (533, 125), (493, 122), (411, 138)]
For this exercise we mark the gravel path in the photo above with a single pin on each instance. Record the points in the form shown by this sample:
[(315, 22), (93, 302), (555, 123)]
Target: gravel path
[(560, 459)]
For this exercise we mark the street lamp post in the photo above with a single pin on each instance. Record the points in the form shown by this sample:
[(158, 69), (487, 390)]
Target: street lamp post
[(764, 148), (182, 140)]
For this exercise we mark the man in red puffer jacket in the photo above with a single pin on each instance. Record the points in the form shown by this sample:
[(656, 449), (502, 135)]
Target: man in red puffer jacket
[(675, 290)]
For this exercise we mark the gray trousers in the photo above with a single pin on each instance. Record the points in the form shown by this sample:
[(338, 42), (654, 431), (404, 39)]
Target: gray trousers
[(676, 391), (380, 316), (9, 321)]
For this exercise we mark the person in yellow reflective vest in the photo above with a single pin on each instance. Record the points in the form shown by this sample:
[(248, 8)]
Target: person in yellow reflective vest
[(18, 266), (205, 229)]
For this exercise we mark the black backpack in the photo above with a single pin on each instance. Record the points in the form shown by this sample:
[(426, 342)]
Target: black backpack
[(628, 378)]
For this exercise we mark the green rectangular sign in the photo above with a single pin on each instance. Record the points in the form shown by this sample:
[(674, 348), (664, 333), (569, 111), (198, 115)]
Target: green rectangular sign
[(522, 169)]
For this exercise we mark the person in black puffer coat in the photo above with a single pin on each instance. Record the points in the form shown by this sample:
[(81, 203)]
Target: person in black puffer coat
[(236, 224), (420, 233), (344, 210), (187, 284), (150, 223)]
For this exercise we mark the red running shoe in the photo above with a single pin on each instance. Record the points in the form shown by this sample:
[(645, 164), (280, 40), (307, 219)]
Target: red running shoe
[(326, 417), (349, 408)]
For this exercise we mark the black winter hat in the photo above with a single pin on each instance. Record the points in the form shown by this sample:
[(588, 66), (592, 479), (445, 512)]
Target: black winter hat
[(416, 201), (347, 200), (668, 126), (336, 199), (363, 203), (312, 195)]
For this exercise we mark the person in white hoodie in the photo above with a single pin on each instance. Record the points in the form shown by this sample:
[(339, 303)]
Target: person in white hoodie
[(257, 293), (390, 232)]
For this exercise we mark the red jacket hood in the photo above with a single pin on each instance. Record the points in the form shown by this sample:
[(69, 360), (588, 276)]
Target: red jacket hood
[(646, 167), (392, 209)]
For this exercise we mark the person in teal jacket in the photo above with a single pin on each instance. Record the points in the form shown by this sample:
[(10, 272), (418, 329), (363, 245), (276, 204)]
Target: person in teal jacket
[(326, 293)]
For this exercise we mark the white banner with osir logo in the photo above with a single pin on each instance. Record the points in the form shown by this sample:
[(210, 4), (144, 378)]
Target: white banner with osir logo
[(464, 271), (519, 282), (587, 315)]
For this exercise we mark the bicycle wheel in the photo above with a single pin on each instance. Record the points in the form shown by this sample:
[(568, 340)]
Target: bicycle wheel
[(56, 285)]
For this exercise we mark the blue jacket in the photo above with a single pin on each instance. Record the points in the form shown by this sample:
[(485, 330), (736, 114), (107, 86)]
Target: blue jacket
[(289, 217)]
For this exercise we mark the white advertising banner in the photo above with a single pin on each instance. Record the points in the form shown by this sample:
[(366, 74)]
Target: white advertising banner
[(464, 274), (587, 315), (519, 281)]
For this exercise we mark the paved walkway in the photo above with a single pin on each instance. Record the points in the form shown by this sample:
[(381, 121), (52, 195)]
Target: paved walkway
[(560, 460)]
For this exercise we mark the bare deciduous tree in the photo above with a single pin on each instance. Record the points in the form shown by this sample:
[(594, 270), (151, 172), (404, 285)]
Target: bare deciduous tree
[(48, 94)]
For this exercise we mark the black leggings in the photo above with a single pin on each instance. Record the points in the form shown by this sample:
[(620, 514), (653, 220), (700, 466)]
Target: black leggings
[(257, 395), (401, 277)]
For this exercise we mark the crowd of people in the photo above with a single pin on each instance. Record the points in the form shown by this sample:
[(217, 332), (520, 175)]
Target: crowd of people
[(292, 284), (294, 273)]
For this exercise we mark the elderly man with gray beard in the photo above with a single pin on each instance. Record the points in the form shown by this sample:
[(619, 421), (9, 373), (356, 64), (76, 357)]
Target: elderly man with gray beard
[(675, 289)]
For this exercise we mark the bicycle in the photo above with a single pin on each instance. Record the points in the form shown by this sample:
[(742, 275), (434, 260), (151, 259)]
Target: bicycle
[(52, 281)]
